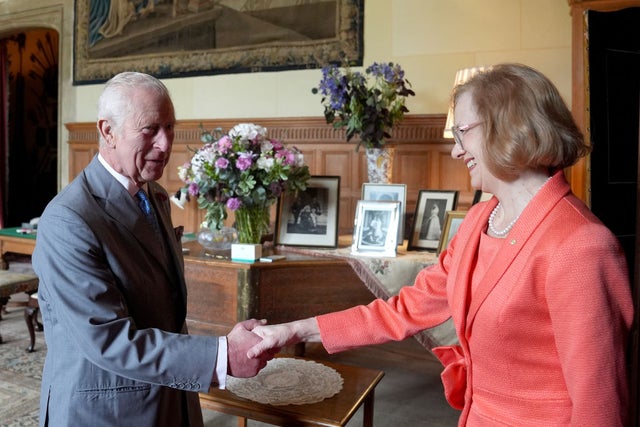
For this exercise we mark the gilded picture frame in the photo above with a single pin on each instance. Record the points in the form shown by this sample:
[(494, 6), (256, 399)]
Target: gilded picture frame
[(181, 38), (452, 222)]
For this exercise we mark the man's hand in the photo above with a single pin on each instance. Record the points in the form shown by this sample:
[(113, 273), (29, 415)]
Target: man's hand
[(239, 341)]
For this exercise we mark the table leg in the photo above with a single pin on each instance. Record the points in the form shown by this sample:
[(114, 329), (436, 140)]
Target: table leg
[(367, 419), (242, 422), (3, 306), (29, 317)]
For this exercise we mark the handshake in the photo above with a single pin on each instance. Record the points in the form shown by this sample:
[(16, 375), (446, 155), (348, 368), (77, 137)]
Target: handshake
[(252, 343)]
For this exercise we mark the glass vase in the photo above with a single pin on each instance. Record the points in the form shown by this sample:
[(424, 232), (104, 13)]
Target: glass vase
[(252, 223), (217, 239)]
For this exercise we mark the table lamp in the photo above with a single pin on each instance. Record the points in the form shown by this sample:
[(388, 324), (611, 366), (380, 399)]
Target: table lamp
[(461, 76)]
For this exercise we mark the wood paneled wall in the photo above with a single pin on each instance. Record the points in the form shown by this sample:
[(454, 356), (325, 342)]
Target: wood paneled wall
[(422, 161)]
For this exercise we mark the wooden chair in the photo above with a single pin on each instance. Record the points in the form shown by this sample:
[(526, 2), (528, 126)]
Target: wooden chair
[(13, 283), (31, 318)]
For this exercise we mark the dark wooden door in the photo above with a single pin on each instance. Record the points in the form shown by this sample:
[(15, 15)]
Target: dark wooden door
[(614, 81), (614, 99)]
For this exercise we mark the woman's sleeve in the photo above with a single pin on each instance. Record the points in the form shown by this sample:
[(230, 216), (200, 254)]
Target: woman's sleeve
[(415, 308), (591, 312)]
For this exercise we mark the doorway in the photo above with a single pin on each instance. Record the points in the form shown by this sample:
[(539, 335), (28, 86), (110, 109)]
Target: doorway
[(614, 86), (30, 179)]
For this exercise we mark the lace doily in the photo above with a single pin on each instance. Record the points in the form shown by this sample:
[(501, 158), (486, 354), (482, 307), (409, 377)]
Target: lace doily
[(288, 381)]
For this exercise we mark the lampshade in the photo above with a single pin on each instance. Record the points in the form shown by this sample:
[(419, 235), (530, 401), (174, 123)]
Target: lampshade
[(461, 77)]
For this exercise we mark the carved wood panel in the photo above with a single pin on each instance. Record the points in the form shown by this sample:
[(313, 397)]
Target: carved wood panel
[(422, 160)]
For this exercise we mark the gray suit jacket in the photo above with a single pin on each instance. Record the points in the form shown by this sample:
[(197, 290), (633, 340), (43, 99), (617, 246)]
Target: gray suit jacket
[(113, 303)]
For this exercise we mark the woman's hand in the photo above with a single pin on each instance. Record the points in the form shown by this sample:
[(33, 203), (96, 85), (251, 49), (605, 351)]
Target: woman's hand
[(274, 337)]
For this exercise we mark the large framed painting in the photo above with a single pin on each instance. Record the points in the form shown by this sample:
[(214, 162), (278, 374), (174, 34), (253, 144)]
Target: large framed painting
[(179, 38)]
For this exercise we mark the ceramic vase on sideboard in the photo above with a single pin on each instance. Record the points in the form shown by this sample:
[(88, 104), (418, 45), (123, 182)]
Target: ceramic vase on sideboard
[(380, 164)]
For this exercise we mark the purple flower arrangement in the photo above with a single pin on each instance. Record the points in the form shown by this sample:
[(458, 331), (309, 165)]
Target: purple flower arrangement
[(367, 105), (243, 169)]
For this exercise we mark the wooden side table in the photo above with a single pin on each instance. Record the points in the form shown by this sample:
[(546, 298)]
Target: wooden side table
[(357, 389)]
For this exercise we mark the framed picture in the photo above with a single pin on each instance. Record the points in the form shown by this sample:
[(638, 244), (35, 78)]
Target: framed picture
[(310, 218), (376, 228), (389, 193), (183, 38), (429, 218), (481, 196), (452, 222)]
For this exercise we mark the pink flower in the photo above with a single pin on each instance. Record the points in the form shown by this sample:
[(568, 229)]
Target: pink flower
[(234, 203), (244, 161), (222, 163), (288, 158), (224, 144), (194, 190)]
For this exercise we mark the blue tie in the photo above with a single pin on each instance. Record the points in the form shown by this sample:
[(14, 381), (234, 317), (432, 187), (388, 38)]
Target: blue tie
[(145, 207), (143, 203)]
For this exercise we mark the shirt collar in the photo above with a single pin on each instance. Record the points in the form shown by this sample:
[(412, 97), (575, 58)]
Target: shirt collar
[(126, 183)]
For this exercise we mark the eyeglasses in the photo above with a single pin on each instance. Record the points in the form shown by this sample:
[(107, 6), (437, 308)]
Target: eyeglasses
[(459, 131)]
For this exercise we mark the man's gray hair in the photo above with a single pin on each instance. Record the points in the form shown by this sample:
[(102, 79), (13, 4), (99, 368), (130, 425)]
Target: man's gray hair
[(114, 103)]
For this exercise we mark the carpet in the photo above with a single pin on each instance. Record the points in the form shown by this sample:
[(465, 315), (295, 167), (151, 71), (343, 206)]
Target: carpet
[(20, 371)]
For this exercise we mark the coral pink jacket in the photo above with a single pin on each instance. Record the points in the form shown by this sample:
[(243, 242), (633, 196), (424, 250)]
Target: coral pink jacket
[(542, 339)]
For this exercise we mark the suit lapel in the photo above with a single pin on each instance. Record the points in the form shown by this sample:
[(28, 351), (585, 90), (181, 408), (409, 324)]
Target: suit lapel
[(123, 209), (175, 266), (462, 275), (515, 242)]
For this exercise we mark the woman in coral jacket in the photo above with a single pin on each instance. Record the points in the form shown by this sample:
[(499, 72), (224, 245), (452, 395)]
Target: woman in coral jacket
[(536, 285)]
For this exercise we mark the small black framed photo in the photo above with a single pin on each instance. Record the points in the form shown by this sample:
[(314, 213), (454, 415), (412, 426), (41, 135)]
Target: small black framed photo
[(376, 228), (481, 196), (452, 222), (310, 218), (389, 193), (429, 218)]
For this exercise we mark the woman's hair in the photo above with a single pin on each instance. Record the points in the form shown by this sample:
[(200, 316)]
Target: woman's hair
[(115, 103), (526, 123)]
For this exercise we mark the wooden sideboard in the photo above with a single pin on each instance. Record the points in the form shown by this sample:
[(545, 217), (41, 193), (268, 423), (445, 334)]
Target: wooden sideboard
[(222, 293), (422, 160)]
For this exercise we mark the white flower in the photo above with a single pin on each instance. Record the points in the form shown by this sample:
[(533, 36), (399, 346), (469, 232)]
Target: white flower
[(266, 146), (298, 159), (248, 131), (265, 163)]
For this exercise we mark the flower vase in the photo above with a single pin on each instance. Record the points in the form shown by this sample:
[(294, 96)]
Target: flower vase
[(218, 240), (252, 223), (380, 164)]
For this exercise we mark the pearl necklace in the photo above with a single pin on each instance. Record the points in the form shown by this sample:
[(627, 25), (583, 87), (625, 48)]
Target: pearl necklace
[(507, 229), (502, 233)]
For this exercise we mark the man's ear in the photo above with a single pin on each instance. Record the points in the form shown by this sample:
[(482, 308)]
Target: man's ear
[(106, 132)]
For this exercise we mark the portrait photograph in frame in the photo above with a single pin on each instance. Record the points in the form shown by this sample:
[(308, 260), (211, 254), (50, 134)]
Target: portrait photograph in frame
[(376, 228), (310, 218), (389, 193), (452, 222), (429, 218)]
